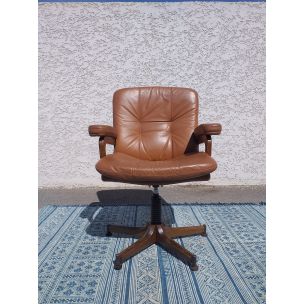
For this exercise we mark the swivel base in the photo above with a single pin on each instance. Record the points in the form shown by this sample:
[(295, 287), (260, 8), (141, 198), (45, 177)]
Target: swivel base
[(157, 234)]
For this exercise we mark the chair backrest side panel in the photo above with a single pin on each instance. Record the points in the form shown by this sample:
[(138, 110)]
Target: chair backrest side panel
[(154, 123)]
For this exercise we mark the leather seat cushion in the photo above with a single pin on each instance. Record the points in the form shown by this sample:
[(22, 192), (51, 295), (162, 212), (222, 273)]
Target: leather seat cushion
[(127, 168)]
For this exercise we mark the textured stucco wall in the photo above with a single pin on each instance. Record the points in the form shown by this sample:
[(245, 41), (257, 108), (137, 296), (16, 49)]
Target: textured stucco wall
[(88, 50)]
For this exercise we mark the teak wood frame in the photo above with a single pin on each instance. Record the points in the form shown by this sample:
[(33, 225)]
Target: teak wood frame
[(157, 233)]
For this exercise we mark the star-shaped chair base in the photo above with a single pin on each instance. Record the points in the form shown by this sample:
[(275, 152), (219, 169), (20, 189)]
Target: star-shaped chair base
[(157, 234)]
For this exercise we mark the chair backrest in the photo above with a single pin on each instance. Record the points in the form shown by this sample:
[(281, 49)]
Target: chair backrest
[(154, 123)]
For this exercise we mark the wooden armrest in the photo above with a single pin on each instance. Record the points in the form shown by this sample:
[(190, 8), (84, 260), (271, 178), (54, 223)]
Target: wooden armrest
[(203, 132), (208, 129), (102, 131), (107, 135)]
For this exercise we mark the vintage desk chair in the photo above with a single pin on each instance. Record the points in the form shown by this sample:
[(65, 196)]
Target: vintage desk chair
[(156, 136)]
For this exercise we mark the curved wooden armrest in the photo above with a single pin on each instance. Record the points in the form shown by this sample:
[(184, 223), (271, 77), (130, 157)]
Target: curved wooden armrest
[(208, 129), (102, 131), (107, 135), (203, 132)]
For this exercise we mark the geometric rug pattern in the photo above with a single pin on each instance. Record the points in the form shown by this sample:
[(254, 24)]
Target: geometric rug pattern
[(76, 258)]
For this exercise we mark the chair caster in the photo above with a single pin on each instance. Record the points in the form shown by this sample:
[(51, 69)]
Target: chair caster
[(108, 233), (193, 267), (192, 264), (204, 233), (117, 264)]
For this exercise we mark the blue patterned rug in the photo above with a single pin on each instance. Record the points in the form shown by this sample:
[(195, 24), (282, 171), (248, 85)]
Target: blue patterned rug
[(75, 256)]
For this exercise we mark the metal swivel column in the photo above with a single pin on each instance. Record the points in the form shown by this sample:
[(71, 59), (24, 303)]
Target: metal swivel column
[(155, 206)]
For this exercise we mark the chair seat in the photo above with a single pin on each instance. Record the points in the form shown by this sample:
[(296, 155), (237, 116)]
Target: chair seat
[(125, 168)]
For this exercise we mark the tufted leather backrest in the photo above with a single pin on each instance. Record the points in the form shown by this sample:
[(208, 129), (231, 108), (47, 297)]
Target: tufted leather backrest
[(154, 123)]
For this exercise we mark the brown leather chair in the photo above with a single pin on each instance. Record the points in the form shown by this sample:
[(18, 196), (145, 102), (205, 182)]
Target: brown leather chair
[(156, 137)]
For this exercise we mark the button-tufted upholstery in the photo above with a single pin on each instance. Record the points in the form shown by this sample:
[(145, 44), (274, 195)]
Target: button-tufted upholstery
[(154, 123)]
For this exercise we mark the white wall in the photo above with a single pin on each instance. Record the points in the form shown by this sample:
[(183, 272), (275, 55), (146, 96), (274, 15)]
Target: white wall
[(88, 50)]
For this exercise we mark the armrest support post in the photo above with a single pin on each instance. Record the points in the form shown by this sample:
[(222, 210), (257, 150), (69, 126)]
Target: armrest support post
[(207, 141), (107, 135), (102, 147), (208, 145), (203, 132)]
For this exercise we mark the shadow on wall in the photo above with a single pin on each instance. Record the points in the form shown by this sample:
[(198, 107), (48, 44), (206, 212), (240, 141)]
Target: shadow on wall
[(128, 207)]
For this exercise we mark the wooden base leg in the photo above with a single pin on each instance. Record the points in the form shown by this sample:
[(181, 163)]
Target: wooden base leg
[(144, 242), (132, 231), (161, 235), (177, 250), (175, 232)]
